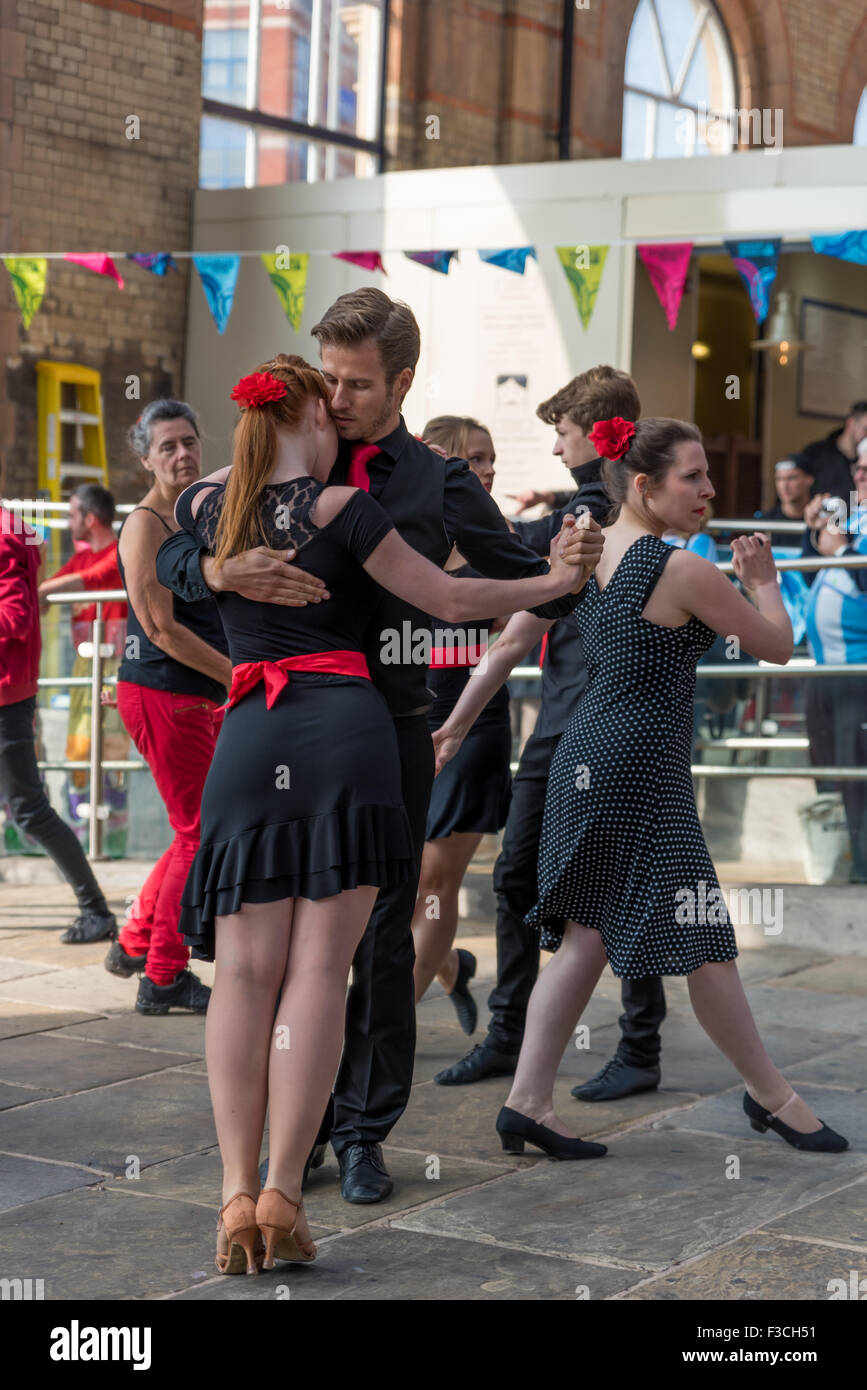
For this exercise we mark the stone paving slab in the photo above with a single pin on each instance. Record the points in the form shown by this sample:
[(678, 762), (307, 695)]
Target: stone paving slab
[(12, 968), (47, 948), (53, 1061), (10, 1095), (173, 1032), (27, 1180), (843, 975), (656, 1199), (88, 986), (845, 1067), (97, 1244), (779, 1004), (17, 1019), (155, 1117), (839, 1220), (400, 1265), (756, 1269)]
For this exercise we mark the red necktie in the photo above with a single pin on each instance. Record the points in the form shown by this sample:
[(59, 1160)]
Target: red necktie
[(361, 454)]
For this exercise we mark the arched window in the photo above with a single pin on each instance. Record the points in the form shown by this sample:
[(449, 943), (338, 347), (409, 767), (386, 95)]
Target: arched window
[(679, 96), (859, 134)]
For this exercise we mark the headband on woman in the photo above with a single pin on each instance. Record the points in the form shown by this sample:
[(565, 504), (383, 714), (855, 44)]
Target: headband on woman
[(258, 389), (612, 438)]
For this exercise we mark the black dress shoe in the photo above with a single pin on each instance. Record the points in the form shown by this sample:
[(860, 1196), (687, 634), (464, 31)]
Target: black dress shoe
[(90, 926), (515, 1129), (481, 1062), (185, 992), (822, 1140), (363, 1175), (616, 1080), (466, 1007), (120, 962)]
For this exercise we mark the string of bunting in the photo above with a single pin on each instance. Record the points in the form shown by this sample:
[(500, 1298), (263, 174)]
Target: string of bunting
[(666, 263)]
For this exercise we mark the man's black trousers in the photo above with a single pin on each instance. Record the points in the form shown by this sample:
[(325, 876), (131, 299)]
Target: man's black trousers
[(375, 1075)]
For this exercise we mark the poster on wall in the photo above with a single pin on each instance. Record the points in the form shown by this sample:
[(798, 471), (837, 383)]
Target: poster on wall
[(497, 350), (832, 373)]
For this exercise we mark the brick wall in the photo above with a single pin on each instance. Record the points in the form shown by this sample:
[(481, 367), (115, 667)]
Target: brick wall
[(71, 180), (491, 72)]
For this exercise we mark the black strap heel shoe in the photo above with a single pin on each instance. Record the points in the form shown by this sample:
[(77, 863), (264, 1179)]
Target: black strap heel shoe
[(465, 1005), (822, 1140), (514, 1128)]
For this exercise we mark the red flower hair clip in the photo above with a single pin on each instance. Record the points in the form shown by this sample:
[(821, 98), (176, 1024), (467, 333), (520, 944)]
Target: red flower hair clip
[(257, 389), (612, 438)]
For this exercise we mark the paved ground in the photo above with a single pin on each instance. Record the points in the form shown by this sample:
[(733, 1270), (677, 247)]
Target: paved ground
[(88, 1088)]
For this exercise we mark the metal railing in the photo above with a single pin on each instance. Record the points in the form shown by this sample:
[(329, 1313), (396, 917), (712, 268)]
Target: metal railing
[(95, 809), (98, 652)]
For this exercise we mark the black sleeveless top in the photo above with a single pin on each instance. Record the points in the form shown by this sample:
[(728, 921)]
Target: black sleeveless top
[(144, 663)]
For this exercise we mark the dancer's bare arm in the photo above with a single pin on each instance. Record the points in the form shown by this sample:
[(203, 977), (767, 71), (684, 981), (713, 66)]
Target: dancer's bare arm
[(519, 637), (152, 603), (695, 586)]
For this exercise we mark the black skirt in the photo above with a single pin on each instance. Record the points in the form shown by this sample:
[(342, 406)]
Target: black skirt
[(473, 791), (302, 800)]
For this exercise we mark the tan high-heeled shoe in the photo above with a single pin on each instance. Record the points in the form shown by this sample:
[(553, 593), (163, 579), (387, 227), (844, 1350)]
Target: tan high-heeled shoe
[(277, 1226), (242, 1235)]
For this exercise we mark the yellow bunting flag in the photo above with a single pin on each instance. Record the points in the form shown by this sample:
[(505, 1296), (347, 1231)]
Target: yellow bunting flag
[(288, 275), (28, 282), (583, 266)]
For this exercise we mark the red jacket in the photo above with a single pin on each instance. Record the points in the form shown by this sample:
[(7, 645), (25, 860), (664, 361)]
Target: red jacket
[(20, 637)]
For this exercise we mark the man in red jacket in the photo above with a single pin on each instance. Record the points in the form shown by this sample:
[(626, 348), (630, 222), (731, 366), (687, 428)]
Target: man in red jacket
[(20, 785)]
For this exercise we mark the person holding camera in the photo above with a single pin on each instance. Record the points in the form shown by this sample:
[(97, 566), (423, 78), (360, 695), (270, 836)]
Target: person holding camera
[(836, 705)]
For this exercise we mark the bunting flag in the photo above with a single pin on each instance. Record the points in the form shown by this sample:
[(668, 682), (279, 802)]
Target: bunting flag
[(583, 266), (756, 263), (435, 260), (367, 260), (28, 283), (667, 264), (101, 265), (219, 276), (157, 261), (289, 280), (849, 246), (512, 258)]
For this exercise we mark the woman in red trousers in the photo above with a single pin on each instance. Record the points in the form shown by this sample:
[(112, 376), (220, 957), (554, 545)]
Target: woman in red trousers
[(170, 683)]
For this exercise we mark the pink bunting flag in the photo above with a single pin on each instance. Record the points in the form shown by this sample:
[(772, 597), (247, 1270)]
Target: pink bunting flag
[(367, 260), (102, 265), (667, 264)]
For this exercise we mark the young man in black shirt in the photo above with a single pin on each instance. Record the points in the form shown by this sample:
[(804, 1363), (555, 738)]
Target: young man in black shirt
[(599, 394), (369, 346)]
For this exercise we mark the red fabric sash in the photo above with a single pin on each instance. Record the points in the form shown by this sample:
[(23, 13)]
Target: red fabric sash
[(443, 657), (358, 475), (544, 650), (275, 674)]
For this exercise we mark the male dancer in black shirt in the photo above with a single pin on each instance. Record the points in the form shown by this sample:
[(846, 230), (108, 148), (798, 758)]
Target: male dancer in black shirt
[(599, 394), (369, 347)]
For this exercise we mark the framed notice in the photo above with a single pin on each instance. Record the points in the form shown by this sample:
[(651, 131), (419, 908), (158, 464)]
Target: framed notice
[(832, 372)]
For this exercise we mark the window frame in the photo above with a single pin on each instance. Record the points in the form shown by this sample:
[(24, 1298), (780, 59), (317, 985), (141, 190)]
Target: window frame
[(670, 99), (254, 118)]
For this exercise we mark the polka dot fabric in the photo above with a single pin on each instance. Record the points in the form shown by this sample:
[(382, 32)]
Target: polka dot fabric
[(622, 849)]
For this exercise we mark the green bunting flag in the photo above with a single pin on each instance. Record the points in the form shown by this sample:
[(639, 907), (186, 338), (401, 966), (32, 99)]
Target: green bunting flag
[(583, 266), (289, 279), (28, 282)]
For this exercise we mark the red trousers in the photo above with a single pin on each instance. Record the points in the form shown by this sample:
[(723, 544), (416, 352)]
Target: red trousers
[(175, 735)]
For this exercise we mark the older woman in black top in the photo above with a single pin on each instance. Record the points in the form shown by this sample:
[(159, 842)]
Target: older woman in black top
[(170, 683)]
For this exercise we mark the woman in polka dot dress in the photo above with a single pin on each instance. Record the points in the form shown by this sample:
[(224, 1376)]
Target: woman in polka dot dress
[(624, 872)]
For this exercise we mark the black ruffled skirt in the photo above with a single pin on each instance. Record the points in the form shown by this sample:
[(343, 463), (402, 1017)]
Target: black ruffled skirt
[(302, 800)]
